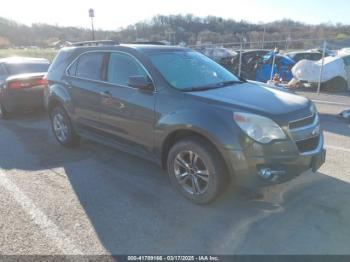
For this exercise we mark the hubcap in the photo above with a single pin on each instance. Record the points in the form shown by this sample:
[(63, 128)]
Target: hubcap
[(60, 127), (191, 172)]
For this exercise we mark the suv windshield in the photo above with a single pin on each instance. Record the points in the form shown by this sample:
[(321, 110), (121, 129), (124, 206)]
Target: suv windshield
[(191, 71)]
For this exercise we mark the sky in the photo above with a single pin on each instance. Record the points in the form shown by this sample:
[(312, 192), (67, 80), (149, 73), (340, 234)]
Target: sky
[(114, 14)]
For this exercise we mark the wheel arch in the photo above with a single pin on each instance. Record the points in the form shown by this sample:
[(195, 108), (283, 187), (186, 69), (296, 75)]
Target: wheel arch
[(335, 84), (58, 96), (173, 137), (54, 102)]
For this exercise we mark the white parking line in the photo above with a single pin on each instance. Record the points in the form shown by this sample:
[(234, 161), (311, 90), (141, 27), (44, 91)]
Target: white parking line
[(338, 148), (51, 231), (330, 103)]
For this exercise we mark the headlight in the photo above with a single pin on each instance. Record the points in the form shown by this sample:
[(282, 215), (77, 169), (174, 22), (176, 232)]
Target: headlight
[(259, 128)]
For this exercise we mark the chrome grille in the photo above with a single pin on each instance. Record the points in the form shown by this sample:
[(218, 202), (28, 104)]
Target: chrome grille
[(306, 133), (302, 122)]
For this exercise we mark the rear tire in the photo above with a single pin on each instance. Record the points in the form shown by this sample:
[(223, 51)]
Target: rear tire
[(62, 128), (196, 170), (337, 84), (3, 113)]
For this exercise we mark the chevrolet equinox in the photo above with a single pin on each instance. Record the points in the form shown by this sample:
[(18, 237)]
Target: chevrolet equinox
[(182, 110)]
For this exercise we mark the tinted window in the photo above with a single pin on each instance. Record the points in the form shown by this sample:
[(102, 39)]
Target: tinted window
[(121, 67), (73, 69), (189, 70), (346, 60), (2, 70), (23, 68), (90, 66), (316, 56), (297, 57)]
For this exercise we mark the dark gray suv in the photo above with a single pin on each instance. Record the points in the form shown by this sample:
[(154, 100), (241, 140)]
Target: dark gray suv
[(182, 110)]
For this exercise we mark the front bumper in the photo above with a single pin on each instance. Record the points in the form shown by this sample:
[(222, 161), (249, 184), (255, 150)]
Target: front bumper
[(258, 170)]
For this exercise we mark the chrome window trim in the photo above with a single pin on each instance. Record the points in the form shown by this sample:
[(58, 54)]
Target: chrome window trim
[(106, 82)]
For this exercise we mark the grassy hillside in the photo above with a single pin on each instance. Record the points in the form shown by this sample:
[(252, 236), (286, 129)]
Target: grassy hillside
[(175, 29), (45, 53)]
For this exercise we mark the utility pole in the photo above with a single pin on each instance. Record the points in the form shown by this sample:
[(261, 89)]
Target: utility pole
[(273, 62), (263, 40), (92, 15), (322, 65)]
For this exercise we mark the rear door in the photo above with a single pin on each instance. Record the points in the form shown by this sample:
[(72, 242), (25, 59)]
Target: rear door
[(127, 113), (83, 82)]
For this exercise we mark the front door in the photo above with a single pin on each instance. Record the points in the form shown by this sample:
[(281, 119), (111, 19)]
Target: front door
[(127, 113)]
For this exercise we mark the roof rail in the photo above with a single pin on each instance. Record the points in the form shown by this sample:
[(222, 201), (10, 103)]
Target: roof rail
[(148, 43), (95, 43)]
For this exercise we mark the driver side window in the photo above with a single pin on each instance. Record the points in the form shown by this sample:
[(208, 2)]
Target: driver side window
[(122, 66)]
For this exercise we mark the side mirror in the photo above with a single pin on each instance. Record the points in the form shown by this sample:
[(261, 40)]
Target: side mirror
[(140, 82)]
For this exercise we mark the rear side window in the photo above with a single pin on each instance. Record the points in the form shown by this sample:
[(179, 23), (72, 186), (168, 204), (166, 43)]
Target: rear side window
[(23, 68), (89, 66), (298, 57), (73, 69), (121, 67), (316, 56)]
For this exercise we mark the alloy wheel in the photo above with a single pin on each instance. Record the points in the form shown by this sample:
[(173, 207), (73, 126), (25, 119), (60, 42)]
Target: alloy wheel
[(191, 172), (60, 127)]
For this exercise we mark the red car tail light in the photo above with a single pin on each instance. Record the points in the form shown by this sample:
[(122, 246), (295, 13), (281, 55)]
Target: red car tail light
[(20, 84)]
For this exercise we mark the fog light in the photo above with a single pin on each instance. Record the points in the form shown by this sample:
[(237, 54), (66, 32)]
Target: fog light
[(265, 173), (271, 175)]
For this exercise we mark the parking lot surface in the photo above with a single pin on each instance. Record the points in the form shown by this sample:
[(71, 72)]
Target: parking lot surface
[(96, 200)]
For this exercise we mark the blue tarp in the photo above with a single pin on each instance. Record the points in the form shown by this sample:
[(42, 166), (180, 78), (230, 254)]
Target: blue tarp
[(283, 66)]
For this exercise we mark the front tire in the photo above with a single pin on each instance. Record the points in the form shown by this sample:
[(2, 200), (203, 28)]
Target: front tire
[(196, 170), (337, 84), (62, 128)]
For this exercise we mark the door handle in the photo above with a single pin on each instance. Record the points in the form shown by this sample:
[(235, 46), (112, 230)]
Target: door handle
[(106, 94)]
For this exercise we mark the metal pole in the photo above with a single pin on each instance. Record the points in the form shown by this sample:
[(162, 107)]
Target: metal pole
[(273, 63), (240, 61), (92, 15), (322, 65), (92, 27), (263, 40)]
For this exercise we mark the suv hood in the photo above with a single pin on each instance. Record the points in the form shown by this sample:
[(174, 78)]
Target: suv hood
[(254, 97)]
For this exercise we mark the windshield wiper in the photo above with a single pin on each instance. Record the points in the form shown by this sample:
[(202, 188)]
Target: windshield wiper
[(232, 82), (214, 86), (201, 88)]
